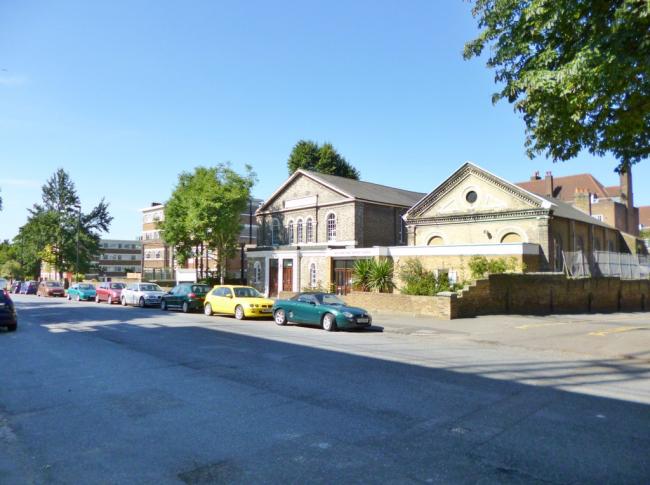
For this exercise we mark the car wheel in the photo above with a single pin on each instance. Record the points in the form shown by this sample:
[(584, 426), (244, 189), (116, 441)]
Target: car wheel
[(110, 300), (186, 307), (123, 301), (163, 305), (141, 302), (12, 328), (329, 322), (69, 297), (280, 317), (96, 298), (77, 297), (239, 312), (207, 309)]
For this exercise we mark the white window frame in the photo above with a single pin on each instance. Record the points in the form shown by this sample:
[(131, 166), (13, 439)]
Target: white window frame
[(299, 231), (331, 228), (309, 230), (312, 275), (290, 233)]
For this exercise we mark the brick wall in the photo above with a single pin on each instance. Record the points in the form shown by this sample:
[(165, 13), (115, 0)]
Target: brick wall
[(531, 294)]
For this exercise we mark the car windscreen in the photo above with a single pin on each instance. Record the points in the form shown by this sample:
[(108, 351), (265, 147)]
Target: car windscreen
[(150, 288), (86, 286), (117, 286), (246, 293), (202, 289), (330, 300)]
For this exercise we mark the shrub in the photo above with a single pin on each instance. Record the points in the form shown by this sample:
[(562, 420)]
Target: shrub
[(480, 266), (381, 276), (361, 274), (420, 281)]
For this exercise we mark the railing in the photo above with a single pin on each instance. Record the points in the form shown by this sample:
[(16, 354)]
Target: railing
[(606, 263), (158, 274)]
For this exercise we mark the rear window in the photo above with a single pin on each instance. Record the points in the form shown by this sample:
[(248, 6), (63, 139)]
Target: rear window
[(53, 284), (117, 286), (200, 288)]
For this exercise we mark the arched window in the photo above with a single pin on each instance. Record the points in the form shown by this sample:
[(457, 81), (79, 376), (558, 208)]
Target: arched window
[(331, 227), (310, 231), (157, 254), (257, 272), (275, 232), (436, 241), (401, 229), (511, 237), (299, 231), (290, 232), (312, 275)]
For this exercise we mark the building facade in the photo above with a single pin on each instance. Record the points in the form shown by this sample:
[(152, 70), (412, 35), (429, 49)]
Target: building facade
[(312, 215), (117, 257)]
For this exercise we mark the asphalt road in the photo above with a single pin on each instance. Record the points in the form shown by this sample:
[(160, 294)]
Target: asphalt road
[(98, 394)]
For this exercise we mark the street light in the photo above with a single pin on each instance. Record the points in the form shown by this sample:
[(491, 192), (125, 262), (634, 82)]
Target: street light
[(76, 268)]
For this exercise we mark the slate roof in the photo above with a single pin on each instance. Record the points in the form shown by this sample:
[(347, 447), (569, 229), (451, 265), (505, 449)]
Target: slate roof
[(564, 187), (567, 211), (367, 190)]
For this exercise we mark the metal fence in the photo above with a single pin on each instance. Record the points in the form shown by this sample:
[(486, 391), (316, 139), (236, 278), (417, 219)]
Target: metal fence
[(605, 263)]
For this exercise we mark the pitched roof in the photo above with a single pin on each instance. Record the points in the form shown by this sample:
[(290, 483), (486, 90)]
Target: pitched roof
[(564, 187), (355, 189), (559, 208), (644, 215)]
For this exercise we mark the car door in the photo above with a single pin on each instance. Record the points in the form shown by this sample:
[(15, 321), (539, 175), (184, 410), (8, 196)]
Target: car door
[(171, 297), (229, 302), (303, 307)]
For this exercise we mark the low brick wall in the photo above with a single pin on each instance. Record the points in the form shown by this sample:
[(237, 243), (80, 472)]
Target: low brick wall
[(442, 306), (540, 294)]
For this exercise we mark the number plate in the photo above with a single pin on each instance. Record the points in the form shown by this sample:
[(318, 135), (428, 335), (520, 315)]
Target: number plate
[(362, 320), (265, 310)]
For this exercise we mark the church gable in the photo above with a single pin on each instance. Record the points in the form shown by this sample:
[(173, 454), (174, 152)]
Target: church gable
[(302, 191), (472, 190)]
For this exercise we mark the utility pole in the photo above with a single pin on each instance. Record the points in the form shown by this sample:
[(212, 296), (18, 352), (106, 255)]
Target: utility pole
[(76, 268)]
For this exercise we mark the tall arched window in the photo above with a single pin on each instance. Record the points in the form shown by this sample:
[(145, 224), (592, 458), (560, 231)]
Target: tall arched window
[(557, 253), (331, 227), (310, 231), (257, 272), (312, 275), (275, 232), (290, 232), (299, 231)]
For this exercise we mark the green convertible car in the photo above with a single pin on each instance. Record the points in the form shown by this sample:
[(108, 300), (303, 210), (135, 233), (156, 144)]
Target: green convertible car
[(320, 309)]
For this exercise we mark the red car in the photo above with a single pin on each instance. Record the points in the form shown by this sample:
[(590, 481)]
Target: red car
[(109, 292), (50, 288)]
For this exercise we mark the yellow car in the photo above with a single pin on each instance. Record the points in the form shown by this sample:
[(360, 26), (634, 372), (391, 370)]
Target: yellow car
[(241, 301)]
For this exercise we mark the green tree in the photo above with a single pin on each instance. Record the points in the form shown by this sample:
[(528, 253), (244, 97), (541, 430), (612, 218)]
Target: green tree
[(204, 213), (11, 269), (59, 225), (578, 71), (308, 155)]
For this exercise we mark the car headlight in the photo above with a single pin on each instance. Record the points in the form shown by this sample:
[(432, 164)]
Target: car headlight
[(348, 315)]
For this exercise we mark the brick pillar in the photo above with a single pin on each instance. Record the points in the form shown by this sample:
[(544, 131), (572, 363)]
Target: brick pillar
[(582, 200), (544, 238)]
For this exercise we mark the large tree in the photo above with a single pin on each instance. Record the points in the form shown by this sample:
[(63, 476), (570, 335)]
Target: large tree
[(309, 155), (204, 214), (578, 71), (65, 233)]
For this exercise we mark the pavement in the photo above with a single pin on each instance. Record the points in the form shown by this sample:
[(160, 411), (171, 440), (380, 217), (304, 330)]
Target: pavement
[(98, 394)]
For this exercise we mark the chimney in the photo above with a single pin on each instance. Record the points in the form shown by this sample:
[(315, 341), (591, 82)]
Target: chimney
[(582, 200), (535, 176), (154, 204), (548, 185), (627, 199)]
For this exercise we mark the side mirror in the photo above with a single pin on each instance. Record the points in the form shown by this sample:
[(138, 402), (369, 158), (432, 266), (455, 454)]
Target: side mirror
[(312, 303), (228, 296)]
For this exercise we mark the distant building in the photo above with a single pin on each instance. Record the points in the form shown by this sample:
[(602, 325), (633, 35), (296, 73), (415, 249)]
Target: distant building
[(117, 257), (612, 205)]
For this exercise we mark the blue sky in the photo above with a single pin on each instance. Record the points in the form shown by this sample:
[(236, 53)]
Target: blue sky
[(127, 94)]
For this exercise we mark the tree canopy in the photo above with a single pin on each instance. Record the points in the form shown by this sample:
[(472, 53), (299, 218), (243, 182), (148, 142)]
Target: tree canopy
[(52, 229), (309, 155), (578, 71), (204, 214)]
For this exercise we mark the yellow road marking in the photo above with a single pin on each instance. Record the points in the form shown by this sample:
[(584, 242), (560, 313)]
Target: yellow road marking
[(537, 325), (604, 333)]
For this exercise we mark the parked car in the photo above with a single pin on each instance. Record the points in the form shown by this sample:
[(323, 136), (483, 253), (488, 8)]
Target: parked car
[(109, 292), (240, 301), (142, 294), (15, 286), (321, 309), (50, 288), (186, 296), (8, 317), (82, 291), (28, 287)]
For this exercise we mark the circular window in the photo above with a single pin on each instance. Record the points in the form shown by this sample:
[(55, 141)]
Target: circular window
[(471, 197)]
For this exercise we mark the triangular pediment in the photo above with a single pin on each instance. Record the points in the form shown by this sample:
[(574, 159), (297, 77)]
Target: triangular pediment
[(472, 190)]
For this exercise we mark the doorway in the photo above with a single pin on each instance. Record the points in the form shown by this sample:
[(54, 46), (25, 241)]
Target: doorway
[(273, 277), (343, 270), (287, 275)]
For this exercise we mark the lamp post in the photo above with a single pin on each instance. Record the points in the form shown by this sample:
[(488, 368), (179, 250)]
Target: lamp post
[(76, 268)]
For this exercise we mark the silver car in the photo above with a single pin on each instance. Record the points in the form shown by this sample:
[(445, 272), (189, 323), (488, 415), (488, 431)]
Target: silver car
[(142, 294)]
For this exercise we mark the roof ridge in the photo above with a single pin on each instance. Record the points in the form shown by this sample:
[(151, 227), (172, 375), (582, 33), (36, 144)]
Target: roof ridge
[(320, 174)]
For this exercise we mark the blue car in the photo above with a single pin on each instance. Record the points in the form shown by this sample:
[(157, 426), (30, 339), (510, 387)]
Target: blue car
[(82, 291)]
